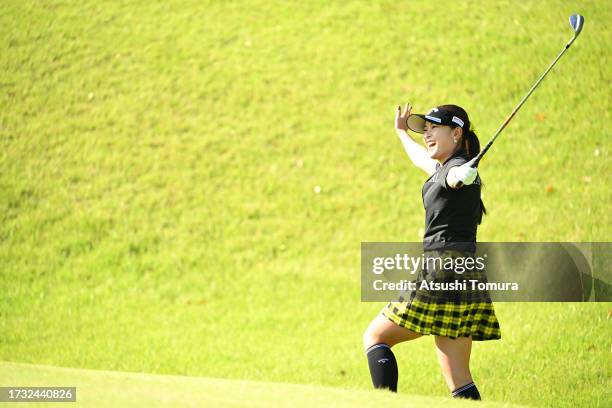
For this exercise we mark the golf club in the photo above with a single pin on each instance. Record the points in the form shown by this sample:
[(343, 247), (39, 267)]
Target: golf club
[(577, 22)]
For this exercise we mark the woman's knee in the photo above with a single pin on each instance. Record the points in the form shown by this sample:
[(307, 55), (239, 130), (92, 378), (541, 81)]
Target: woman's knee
[(370, 338), (381, 330), (374, 334)]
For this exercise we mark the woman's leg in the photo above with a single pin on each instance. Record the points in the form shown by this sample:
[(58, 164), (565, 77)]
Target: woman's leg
[(454, 358), (383, 330), (380, 336)]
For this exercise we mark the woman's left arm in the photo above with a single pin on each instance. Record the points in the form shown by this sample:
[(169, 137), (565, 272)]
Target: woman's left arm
[(459, 176)]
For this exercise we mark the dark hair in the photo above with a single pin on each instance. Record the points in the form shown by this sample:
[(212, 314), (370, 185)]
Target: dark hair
[(469, 142)]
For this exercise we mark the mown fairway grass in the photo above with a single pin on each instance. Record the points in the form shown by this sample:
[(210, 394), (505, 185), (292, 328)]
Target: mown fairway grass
[(111, 388), (159, 162)]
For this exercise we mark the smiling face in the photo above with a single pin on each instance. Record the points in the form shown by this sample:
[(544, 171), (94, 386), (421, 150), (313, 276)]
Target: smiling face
[(439, 141)]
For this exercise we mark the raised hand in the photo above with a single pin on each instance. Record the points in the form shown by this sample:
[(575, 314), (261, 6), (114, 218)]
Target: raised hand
[(400, 118)]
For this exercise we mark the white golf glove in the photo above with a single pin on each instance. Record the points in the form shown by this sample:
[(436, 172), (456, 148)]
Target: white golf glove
[(466, 174)]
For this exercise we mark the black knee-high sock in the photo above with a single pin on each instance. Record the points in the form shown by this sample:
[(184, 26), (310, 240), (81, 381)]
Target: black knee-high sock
[(383, 366), (468, 391)]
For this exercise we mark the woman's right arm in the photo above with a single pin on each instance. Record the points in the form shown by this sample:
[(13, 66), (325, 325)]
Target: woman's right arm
[(417, 153)]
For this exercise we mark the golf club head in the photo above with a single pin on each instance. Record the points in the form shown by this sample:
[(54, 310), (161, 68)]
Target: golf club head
[(577, 22)]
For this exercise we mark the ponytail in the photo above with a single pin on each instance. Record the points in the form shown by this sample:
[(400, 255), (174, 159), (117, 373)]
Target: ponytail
[(471, 146)]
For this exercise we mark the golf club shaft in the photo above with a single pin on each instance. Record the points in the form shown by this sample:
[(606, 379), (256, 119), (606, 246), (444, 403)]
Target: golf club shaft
[(488, 145)]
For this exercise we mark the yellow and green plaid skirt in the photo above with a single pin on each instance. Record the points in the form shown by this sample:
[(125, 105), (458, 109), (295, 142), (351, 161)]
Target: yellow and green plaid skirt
[(459, 313)]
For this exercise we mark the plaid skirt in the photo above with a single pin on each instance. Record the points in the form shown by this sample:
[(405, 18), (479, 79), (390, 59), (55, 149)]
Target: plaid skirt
[(452, 313)]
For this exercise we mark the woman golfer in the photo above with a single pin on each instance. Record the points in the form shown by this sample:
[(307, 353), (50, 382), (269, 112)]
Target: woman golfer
[(453, 210)]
